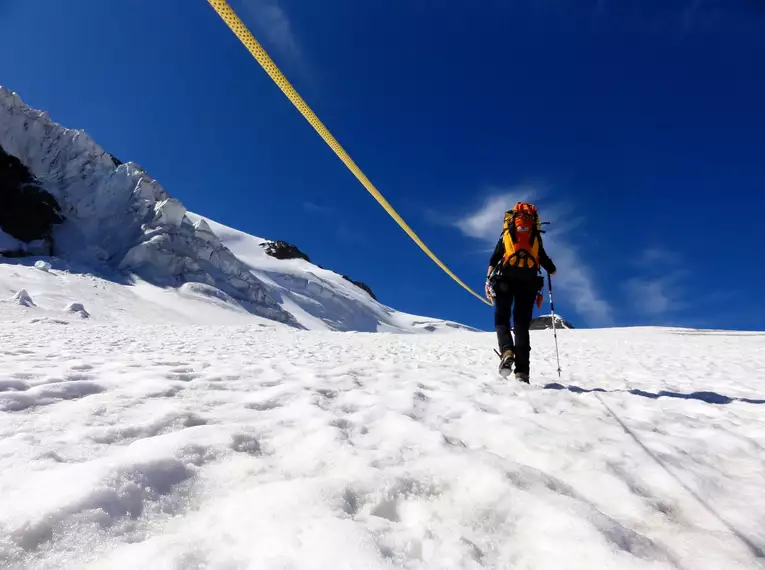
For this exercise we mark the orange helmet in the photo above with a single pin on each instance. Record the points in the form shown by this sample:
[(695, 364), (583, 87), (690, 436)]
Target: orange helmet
[(525, 208)]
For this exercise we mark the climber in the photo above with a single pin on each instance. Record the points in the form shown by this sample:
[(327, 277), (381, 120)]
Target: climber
[(514, 282)]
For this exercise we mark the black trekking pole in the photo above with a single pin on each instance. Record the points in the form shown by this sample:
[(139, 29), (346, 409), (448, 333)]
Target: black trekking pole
[(552, 310)]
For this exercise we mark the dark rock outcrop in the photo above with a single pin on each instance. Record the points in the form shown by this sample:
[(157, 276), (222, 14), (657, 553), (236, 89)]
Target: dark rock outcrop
[(283, 250), (362, 286), (27, 212), (545, 322)]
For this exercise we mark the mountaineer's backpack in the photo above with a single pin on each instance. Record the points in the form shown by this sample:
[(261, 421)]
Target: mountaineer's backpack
[(522, 237)]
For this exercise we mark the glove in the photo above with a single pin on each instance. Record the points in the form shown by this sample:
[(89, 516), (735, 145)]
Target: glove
[(490, 294)]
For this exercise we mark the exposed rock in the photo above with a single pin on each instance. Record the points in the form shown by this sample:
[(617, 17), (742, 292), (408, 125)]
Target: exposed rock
[(545, 322), (27, 212), (283, 250), (362, 286)]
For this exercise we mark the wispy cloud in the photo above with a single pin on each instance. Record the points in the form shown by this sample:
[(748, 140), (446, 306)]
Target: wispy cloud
[(650, 296), (269, 20), (486, 222), (317, 208), (659, 290), (575, 277)]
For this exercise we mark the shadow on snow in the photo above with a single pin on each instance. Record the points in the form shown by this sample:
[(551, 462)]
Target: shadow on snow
[(708, 397)]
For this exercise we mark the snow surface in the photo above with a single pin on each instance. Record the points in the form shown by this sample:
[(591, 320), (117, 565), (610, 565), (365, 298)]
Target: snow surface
[(118, 298), (128, 446), (22, 298), (111, 299)]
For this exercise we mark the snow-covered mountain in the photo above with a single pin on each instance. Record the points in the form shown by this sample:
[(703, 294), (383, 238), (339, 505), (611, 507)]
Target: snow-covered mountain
[(121, 227)]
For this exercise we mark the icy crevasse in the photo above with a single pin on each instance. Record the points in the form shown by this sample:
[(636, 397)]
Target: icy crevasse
[(116, 214)]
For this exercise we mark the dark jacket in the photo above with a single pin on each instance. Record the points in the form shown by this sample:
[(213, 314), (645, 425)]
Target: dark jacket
[(511, 272)]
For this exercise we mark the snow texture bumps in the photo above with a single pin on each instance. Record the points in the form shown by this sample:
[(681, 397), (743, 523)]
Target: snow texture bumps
[(126, 447), (22, 298), (77, 309)]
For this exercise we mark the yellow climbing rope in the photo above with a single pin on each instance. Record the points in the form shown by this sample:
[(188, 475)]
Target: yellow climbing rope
[(237, 26)]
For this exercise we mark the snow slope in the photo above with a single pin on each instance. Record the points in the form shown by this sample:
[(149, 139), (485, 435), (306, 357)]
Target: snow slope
[(123, 225), (241, 446), (320, 299), (313, 297), (116, 300), (116, 216)]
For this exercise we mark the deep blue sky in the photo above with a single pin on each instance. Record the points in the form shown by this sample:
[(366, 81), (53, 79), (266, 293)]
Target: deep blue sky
[(638, 126)]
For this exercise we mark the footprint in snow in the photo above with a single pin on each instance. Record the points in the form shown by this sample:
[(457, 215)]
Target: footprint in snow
[(47, 394), (327, 393), (183, 377), (26, 375), (264, 406), (182, 373), (13, 385), (246, 443), (77, 377)]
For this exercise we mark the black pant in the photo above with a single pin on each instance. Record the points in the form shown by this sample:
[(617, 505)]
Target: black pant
[(518, 295)]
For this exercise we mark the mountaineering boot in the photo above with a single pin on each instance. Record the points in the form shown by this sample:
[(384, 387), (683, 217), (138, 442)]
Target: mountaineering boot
[(522, 377), (506, 364)]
